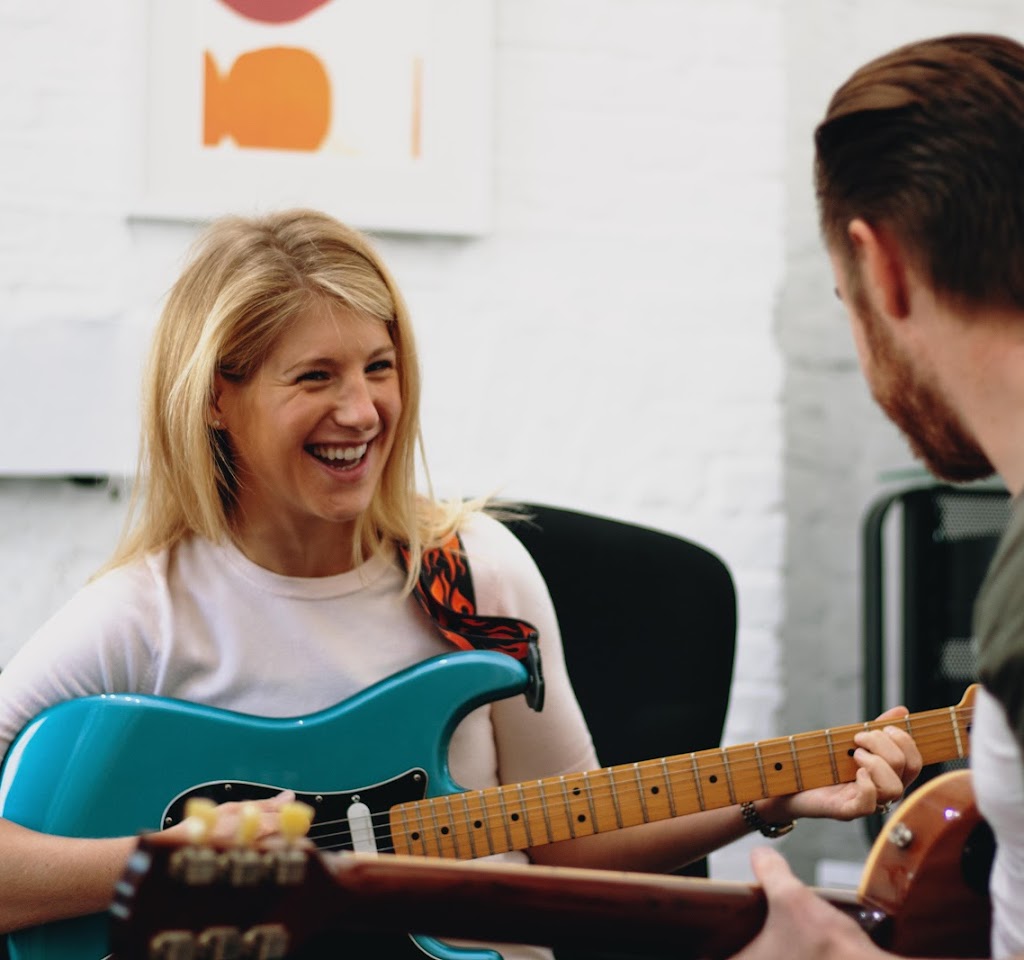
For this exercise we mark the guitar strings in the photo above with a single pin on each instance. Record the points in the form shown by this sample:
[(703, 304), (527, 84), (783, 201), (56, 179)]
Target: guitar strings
[(929, 729)]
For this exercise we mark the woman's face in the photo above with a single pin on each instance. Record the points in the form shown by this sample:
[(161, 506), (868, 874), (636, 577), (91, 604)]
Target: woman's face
[(312, 430)]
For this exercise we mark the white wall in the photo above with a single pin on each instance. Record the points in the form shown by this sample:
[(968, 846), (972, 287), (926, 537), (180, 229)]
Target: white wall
[(648, 332)]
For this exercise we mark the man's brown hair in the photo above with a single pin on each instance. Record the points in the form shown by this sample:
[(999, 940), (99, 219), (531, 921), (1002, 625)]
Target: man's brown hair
[(927, 142)]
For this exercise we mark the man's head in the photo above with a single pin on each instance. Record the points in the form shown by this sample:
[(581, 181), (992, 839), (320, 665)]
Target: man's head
[(927, 142), (919, 171)]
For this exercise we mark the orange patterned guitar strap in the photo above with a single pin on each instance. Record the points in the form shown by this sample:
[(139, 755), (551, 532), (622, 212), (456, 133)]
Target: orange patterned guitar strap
[(445, 591)]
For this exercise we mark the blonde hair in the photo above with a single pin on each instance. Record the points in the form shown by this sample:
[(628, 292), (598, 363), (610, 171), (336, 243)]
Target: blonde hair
[(246, 281)]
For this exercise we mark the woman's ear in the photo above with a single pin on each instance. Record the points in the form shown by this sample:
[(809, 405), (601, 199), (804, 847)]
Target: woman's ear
[(883, 268), (214, 415)]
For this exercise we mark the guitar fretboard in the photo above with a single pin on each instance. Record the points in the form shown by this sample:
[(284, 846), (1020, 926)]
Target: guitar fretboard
[(478, 823)]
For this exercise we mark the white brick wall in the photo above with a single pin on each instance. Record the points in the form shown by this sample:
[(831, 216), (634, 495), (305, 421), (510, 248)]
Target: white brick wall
[(648, 332)]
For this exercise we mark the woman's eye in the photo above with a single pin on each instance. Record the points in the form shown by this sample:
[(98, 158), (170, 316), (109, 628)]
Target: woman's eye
[(313, 375), (378, 365)]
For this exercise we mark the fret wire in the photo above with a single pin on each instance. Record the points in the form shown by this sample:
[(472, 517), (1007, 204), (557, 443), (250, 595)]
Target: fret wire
[(568, 808), (760, 769), (796, 766), (832, 756), (728, 775), (423, 828), (486, 820), (469, 826), (404, 813), (668, 789), (696, 780), (437, 826), (505, 820), (589, 794), (454, 829), (615, 800), (546, 812), (956, 733), (526, 814), (638, 778)]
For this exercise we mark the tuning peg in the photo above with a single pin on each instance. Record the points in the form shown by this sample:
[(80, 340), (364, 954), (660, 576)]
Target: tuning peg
[(200, 817), (196, 863), (294, 820), (248, 825)]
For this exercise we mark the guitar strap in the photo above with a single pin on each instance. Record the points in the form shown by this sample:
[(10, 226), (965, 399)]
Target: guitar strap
[(445, 592)]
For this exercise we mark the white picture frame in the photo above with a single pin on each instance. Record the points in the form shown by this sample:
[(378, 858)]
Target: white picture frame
[(401, 91)]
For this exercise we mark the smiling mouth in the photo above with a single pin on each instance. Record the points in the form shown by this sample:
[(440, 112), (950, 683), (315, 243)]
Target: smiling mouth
[(338, 457)]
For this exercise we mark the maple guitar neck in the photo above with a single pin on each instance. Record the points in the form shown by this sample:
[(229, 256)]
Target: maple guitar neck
[(519, 816)]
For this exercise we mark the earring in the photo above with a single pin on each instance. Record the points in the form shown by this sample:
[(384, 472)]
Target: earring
[(217, 425)]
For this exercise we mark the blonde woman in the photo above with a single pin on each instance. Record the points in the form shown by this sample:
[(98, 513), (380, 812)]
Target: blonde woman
[(261, 571)]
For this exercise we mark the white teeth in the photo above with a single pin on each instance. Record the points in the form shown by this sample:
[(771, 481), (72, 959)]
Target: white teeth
[(325, 452)]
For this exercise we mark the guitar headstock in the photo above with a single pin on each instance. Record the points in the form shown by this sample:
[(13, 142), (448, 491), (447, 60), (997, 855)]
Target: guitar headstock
[(197, 899)]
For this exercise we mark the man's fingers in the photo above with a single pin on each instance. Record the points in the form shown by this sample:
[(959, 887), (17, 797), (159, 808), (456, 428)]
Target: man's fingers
[(771, 869)]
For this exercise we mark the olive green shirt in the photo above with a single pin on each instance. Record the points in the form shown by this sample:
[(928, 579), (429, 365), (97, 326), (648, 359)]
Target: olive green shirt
[(999, 624)]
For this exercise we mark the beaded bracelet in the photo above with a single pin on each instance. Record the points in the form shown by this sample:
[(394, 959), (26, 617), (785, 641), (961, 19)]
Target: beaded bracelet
[(754, 820)]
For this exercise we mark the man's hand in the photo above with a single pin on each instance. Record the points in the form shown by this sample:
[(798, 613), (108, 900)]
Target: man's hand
[(800, 925)]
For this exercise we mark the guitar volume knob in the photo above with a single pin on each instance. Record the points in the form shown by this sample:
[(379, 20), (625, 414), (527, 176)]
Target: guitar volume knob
[(901, 836)]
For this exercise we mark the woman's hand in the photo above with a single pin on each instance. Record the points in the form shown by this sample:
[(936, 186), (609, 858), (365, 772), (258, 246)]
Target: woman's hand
[(249, 821), (887, 761)]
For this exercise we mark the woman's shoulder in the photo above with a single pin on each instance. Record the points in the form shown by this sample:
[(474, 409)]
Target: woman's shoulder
[(504, 574), (120, 591), (487, 538)]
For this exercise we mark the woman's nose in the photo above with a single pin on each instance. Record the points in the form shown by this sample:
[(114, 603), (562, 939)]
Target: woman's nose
[(354, 406)]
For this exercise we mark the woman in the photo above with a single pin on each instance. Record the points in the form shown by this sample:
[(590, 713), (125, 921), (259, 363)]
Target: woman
[(261, 572)]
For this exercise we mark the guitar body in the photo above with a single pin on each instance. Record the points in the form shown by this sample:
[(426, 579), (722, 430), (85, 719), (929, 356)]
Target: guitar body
[(928, 872), (117, 764)]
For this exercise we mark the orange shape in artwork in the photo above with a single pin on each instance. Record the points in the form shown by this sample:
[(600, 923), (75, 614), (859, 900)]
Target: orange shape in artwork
[(277, 98), (274, 11)]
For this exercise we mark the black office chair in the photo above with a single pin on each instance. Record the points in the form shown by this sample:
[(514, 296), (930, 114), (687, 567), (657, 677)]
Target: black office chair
[(945, 539), (648, 623)]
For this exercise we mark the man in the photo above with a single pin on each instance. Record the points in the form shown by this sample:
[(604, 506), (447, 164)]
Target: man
[(919, 174)]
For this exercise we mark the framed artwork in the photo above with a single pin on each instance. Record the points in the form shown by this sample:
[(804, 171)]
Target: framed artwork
[(377, 111)]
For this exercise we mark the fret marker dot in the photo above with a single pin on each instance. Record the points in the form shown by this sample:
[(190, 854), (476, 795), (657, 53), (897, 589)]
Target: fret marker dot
[(849, 752), (415, 836), (582, 818), (515, 816), (778, 766), (444, 831), (713, 778), (478, 824), (654, 789)]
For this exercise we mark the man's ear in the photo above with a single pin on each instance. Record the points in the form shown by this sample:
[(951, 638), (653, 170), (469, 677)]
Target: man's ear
[(883, 268)]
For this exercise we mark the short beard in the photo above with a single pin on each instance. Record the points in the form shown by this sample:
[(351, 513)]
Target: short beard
[(934, 430)]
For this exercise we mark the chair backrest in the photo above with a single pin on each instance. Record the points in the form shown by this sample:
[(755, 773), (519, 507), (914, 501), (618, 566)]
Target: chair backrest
[(918, 646), (648, 622)]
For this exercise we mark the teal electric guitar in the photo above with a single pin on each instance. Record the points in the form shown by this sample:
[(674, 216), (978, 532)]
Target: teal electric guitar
[(375, 770)]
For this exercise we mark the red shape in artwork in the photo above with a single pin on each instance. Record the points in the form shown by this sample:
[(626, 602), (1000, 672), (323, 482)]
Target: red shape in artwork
[(274, 11)]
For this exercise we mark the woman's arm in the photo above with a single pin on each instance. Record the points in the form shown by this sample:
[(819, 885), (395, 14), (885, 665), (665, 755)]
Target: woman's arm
[(47, 878)]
